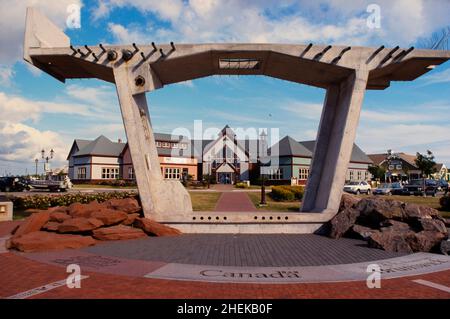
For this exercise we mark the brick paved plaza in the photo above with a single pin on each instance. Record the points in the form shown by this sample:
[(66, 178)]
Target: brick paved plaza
[(118, 269)]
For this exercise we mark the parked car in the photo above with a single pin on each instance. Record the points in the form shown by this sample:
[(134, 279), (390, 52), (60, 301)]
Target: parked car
[(357, 187), (416, 187), (12, 184), (389, 189)]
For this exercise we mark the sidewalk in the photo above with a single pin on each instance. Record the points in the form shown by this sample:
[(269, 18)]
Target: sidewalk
[(234, 202)]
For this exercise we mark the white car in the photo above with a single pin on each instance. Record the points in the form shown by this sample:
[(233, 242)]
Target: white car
[(357, 188)]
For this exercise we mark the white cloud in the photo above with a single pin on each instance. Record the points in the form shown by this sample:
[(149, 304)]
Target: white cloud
[(6, 74), (21, 141), (12, 23), (416, 129), (437, 77), (403, 21)]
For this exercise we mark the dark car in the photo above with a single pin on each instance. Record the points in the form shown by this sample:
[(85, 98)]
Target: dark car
[(417, 187), (12, 184), (389, 189)]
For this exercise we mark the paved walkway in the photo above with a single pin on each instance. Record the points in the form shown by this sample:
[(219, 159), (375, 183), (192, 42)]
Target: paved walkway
[(245, 250), (234, 202)]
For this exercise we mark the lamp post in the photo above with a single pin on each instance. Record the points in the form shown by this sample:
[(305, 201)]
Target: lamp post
[(36, 161), (263, 188), (47, 158)]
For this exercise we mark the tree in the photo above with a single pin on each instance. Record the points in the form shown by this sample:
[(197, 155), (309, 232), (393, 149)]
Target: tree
[(377, 172), (426, 163)]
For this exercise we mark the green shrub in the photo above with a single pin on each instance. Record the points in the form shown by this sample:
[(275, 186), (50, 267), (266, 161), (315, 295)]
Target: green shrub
[(46, 201), (287, 193), (241, 185), (281, 194), (445, 202)]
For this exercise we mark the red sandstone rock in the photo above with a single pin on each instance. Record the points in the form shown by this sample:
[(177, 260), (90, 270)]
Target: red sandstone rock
[(41, 240), (84, 210), (155, 229), (130, 219), (119, 232), (35, 211), (58, 217), (51, 226), (109, 216), (59, 209), (79, 225), (32, 223), (128, 205)]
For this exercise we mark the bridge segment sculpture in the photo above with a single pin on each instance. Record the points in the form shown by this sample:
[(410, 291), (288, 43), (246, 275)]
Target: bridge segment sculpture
[(344, 72)]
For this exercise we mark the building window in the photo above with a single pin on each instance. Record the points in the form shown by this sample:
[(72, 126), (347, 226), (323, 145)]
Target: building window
[(172, 173), (359, 175), (351, 175), (131, 173), (276, 174), (303, 173), (366, 174), (110, 173), (81, 173)]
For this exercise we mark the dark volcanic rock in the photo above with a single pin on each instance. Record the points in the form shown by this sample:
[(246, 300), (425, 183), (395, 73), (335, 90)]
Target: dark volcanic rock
[(390, 240), (426, 241), (364, 232), (375, 210), (342, 222)]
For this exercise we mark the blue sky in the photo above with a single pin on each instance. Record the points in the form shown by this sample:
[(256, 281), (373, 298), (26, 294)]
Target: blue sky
[(40, 112)]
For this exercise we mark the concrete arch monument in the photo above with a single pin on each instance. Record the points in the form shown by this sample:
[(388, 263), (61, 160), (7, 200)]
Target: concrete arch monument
[(344, 72)]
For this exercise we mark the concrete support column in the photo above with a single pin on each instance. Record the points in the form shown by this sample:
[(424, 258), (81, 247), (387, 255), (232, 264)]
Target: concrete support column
[(334, 143), (158, 196)]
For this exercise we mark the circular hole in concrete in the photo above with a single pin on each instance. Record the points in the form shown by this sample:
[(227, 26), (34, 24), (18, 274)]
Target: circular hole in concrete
[(263, 218), (209, 218), (193, 218), (286, 218), (201, 218), (225, 218), (270, 217), (256, 217), (278, 217), (217, 217)]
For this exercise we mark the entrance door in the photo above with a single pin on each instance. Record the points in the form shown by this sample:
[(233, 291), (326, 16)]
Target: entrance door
[(225, 178)]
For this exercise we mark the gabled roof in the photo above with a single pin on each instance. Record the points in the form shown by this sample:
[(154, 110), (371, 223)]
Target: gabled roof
[(287, 146), (164, 137), (380, 158), (77, 145), (358, 156), (101, 146)]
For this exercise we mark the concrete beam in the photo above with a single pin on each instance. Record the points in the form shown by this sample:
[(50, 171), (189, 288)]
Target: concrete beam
[(335, 138), (158, 197)]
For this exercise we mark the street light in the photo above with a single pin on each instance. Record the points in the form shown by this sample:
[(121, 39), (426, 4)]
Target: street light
[(36, 161), (263, 188), (47, 158)]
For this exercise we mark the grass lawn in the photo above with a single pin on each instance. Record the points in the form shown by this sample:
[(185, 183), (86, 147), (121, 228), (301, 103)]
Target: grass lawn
[(204, 201), (274, 205), (83, 186)]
